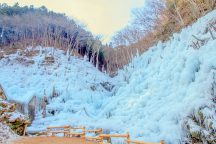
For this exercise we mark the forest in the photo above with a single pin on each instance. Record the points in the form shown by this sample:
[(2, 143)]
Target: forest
[(21, 27), (30, 26)]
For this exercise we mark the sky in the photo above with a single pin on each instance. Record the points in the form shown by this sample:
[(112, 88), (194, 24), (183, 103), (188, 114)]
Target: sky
[(101, 17)]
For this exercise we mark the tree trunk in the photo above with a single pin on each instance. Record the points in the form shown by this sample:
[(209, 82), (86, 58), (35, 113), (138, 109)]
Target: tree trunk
[(178, 13)]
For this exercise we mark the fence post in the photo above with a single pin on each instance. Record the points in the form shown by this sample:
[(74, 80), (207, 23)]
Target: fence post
[(101, 131), (84, 135), (101, 139), (48, 131), (128, 138), (84, 131)]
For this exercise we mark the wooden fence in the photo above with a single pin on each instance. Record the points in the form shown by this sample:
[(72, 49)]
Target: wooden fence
[(100, 137)]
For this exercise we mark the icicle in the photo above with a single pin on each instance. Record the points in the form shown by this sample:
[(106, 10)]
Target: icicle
[(53, 51), (68, 54), (2, 33), (85, 58), (137, 53), (40, 51)]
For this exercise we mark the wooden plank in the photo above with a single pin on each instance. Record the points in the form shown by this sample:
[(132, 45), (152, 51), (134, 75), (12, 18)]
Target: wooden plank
[(96, 138), (75, 133), (94, 131), (59, 132), (140, 142), (114, 135), (58, 129), (93, 138), (109, 136), (51, 127), (78, 128)]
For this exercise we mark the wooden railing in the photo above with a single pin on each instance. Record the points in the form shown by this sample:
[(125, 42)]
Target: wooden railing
[(97, 132), (74, 132), (100, 131), (109, 136), (127, 137), (58, 129), (100, 137)]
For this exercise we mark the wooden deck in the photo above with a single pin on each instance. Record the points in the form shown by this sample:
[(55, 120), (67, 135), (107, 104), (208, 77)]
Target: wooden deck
[(50, 140)]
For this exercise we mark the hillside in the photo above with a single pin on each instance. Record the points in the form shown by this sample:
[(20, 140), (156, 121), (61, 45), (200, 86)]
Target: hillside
[(75, 80), (50, 67), (27, 26), (169, 91), (166, 93)]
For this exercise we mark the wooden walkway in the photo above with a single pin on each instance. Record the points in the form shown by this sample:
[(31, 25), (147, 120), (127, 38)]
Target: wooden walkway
[(74, 137), (50, 140)]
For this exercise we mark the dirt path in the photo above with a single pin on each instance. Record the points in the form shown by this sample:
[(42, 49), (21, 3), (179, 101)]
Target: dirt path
[(50, 140)]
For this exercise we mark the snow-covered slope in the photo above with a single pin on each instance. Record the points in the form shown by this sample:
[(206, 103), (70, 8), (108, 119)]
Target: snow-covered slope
[(79, 87), (152, 98), (24, 77), (166, 84)]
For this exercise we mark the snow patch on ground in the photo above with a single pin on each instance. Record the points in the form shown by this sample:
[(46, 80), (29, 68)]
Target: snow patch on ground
[(6, 134)]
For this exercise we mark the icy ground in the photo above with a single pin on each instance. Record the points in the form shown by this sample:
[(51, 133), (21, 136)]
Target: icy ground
[(152, 95)]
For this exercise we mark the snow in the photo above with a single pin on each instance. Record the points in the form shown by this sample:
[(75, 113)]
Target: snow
[(165, 85), (6, 134), (15, 115), (78, 83), (151, 98), (22, 82), (2, 33)]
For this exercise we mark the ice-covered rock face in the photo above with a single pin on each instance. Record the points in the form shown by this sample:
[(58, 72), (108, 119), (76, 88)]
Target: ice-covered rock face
[(24, 77), (165, 84), (75, 88)]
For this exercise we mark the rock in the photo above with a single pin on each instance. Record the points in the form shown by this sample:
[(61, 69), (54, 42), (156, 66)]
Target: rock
[(108, 86), (93, 88), (6, 134), (49, 60), (2, 93), (12, 118)]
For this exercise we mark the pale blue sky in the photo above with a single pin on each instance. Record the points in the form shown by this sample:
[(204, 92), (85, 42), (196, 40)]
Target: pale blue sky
[(100, 16)]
